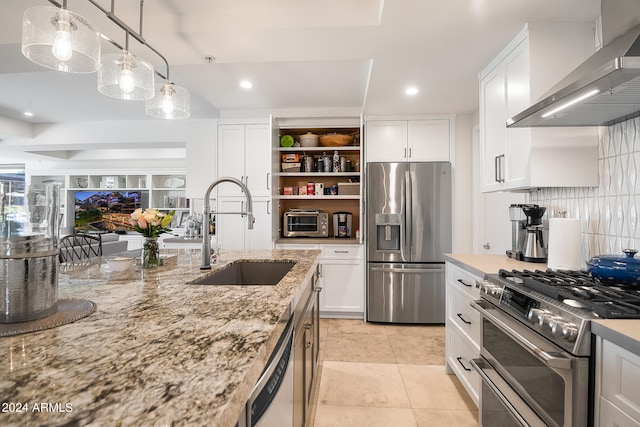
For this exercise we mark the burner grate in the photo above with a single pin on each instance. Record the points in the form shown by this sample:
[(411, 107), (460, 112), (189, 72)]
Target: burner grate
[(579, 289)]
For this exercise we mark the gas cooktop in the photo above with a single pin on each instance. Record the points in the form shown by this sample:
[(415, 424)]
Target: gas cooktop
[(580, 290)]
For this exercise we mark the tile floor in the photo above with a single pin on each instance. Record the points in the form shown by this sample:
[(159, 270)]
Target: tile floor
[(377, 375)]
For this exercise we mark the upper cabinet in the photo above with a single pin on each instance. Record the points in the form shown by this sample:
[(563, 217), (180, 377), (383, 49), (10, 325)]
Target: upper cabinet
[(244, 152), (519, 159), (424, 140)]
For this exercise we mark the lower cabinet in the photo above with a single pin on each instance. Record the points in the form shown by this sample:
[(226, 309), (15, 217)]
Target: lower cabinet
[(463, 328), (617, 402), (305, 354), (342, 276)]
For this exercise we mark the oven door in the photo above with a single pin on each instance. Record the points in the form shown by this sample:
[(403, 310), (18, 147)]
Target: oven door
[(550, 381)]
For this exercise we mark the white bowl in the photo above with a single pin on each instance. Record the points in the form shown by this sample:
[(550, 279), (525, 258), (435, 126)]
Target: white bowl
[(120, 264)]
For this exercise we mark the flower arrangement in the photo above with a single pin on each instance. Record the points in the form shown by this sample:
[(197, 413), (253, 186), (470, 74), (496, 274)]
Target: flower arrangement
[(150, 222)]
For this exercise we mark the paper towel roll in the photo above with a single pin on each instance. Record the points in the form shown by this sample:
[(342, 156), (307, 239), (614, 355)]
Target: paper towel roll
[(565, 244)]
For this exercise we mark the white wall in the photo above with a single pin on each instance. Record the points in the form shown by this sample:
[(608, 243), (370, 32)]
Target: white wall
[(463, 185)]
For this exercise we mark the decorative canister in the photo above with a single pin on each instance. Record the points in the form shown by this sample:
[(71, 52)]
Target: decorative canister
[(29, 232)]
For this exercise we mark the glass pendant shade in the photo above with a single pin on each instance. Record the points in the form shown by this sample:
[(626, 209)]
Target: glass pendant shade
[(124, 76), (170, 102), (60, 40)]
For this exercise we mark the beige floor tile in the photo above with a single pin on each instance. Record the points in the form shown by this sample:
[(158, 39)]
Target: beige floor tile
[(358, 348), (349, 326), (429, 387), (415, 330), (362, 384), (418, 349), (445, 418), (361, 416)]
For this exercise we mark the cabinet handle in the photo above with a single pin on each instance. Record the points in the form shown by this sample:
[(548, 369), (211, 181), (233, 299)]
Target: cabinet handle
[(496, 162), (410, 154), (268, 207), (405, 153), (246, 181), (268, 181), (465, 283), (463, 319), (341, 252), (459, 359)]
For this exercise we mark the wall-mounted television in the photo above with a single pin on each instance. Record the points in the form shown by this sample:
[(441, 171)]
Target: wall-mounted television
[(105, 210)]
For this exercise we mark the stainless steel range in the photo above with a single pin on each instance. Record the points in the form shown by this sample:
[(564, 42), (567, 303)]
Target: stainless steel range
[(536, 362)]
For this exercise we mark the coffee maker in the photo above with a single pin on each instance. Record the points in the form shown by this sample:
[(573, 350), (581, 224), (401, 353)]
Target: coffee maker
[(342, 224), (518, 230), (534, 249)]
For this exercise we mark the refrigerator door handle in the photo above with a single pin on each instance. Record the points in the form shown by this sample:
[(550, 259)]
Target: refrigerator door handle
[(408, 229), (408, 270)]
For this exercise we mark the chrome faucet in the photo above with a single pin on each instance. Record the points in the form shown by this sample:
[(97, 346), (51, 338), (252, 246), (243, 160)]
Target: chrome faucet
[(205, 262)]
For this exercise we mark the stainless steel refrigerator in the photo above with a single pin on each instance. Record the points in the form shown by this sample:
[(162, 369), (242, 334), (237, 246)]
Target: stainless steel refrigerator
[(409, 231)]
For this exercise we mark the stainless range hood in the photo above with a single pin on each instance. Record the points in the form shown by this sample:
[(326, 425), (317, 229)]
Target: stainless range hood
[(604, 90)]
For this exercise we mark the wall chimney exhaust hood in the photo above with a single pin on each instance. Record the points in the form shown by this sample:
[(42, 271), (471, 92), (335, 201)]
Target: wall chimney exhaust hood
[(604, 90)]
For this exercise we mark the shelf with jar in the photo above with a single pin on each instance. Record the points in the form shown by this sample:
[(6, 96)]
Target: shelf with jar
[(317, 166)]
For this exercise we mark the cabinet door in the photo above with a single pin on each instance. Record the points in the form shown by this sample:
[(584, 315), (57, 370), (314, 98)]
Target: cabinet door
[(518, 142), (260, 236), (386, 141), (428, 140), (257, 161), (493, 131), (231, 154), (232, 230), (342, 286)]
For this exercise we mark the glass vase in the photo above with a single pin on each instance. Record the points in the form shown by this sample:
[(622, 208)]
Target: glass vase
[(150, 253)]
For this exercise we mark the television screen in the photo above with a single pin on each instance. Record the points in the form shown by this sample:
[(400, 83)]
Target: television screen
[(105, 210)]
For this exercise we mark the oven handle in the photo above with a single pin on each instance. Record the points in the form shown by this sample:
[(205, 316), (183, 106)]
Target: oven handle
[(518, 408), (548, 359), (496, 391)]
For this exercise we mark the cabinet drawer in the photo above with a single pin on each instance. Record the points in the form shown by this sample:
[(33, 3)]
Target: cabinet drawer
[(612, 416), (459, 356), (621, 378), (342, 251), (462, 280), (463, 316)]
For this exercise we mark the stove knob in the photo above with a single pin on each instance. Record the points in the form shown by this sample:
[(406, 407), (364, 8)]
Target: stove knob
[(548, 319), (536, 315), (496, 291), (569, 331)]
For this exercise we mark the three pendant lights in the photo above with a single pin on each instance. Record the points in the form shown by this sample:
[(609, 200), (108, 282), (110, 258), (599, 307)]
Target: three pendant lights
[(62, 40)]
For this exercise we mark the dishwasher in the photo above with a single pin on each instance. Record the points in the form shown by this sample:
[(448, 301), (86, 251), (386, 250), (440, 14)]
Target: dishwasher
[(271, 401)]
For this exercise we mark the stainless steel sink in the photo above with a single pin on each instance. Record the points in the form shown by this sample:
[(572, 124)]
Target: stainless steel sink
[(248, 273)]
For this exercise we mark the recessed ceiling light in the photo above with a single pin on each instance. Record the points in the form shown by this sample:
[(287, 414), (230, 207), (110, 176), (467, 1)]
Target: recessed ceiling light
[(246, 84), (28, 114), (411, 90)]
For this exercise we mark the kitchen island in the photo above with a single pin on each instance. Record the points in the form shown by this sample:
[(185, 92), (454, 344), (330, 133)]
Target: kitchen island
[(157, 351)]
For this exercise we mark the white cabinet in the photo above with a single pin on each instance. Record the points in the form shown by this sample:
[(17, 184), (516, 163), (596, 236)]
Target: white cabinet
[(408, 140), (244, 152), (341, 278), (617, 402), (463, 330), (520, 158), (232, 229), (342, 281)]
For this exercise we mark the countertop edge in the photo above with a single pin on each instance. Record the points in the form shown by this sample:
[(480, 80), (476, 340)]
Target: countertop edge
[(455, 261), (608, 330)]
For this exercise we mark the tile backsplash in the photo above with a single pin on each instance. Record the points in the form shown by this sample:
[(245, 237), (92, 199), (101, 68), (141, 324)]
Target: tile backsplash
[(610, 213)]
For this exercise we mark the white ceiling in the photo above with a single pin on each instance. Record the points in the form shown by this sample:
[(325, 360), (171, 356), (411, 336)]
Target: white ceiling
[(299, 54)]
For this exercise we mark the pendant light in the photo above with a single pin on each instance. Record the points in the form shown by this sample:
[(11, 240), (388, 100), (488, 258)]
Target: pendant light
[(170, 102), (59, 39), (125, 76)]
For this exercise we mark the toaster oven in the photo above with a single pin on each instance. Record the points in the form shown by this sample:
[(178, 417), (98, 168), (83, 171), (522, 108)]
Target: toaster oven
[(305, 223)]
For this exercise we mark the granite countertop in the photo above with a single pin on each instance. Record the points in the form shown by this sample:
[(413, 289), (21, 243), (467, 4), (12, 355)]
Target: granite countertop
[(481, 264), (157, 351)]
